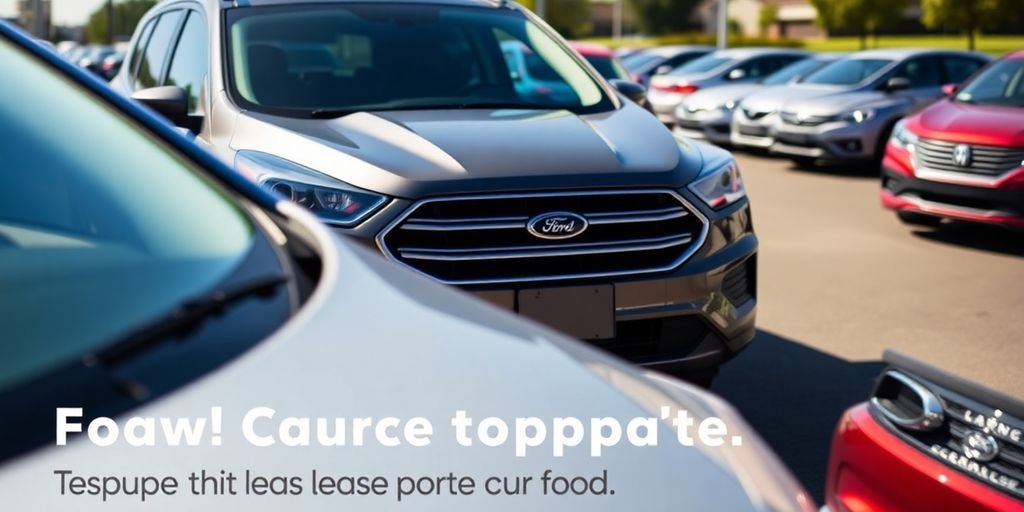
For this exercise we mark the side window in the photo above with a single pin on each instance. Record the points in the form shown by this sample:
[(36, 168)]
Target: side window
[(681, 59), (140, 48), (190, 62), (957, 69), (756, 68), (921, 72), (152, 65)]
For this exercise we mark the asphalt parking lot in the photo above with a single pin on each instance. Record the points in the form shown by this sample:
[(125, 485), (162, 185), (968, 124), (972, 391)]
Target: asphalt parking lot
[(840, 281)]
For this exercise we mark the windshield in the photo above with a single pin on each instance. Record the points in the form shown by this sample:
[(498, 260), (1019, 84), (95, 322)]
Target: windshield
[(400, 56), (702, 65), (794, 71), (847, 72), (608, 67), (640, 60), (102, 229), (1001, 84)]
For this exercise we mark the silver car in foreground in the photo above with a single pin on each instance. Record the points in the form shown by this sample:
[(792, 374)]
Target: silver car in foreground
[(708, 114), (723, 67), (846, 111), (154, 282)]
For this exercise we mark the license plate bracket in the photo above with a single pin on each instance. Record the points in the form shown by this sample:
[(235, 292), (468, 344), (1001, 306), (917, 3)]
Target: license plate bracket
[(583, 312)]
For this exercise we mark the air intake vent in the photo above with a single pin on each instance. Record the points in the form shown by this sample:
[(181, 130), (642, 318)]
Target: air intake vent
[(907, 403)]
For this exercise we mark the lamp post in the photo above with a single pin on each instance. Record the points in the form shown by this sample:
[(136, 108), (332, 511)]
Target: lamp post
[(723, 24), (539, 8), (110, 21)]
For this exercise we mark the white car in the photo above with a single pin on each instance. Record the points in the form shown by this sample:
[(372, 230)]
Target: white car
[(151, 281)]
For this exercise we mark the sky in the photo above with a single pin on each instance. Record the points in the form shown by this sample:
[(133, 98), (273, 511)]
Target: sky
[(65, 12)]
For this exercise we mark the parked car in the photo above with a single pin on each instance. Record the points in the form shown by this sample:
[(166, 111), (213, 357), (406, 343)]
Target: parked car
[(724, 67), (844, 112), (649, 62), (585, 214), (603, 60), (155, 282), (93, 57), (708, 114), (111, 65), (963, 157), (928, 440)]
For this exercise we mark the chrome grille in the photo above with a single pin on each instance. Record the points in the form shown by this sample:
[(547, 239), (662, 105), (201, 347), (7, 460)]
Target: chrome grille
[(800, 120), (985, 160), (484, 239)]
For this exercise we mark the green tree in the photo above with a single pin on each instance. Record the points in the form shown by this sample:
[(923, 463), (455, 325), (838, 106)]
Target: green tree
[(569, 17), (863, 17), (126, 15), (966, 15), (766, 18), (657, 17)]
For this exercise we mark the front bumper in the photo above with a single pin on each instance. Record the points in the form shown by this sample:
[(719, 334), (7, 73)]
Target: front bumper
[(664, 105), (999, 206), (753, 133), (871, 469), (709, 125), (687, 320), (832, 141)]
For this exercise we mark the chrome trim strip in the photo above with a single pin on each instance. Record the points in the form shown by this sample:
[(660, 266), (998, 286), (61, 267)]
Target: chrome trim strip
[(932, 414), (542, 251), (697, 244), (481, 220), (625, 218), (417, 226)]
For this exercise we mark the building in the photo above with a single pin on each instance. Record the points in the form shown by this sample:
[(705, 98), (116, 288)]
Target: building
[(34, 16)]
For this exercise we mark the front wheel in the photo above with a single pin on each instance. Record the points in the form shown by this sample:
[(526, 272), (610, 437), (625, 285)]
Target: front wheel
[(919, 219)]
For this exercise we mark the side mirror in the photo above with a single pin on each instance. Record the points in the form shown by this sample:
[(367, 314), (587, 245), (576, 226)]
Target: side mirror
[(949, 90), (663, 70), (631, 90), (896, 84), (169, 101), (736, 74)]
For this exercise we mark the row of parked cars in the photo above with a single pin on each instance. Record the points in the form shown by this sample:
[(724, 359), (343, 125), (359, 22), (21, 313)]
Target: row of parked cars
[(202, 265), (103, 60), (941, 127)]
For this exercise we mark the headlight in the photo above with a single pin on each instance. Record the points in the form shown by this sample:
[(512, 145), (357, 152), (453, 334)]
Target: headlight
[(721, 187), (729, 106), (335, 202), (857, 116), (902, 137)]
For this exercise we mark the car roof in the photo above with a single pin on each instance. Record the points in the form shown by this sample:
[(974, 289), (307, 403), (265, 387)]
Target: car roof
[(904, 53), (754, 51), (676, 49), (591, 49), (1019, 54)]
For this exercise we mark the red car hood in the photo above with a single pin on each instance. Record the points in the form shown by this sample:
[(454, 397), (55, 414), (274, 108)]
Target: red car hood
[(974, 124)]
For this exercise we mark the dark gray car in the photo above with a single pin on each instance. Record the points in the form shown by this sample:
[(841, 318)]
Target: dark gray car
[(845, 111), (402, 125)]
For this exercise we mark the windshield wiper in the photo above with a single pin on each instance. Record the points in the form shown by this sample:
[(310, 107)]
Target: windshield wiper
[(186, 317)]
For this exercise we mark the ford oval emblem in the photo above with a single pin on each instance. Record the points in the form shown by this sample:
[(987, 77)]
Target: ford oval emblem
[(557, 225)]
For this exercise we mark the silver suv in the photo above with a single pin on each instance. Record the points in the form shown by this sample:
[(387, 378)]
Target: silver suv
[(403, 125)]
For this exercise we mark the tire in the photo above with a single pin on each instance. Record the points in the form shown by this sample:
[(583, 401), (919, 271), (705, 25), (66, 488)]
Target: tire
[(919, 219)]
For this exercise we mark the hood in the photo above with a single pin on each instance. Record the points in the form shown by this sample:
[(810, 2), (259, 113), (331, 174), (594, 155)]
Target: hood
[(772, 99), (836, 104), (341, 357), (411, 154), (973, 124), (716, 97)]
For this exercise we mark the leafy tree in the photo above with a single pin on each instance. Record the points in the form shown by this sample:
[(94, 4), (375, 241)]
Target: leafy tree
[(863, 17), (967, 15), (658, 17), (126, 15), (766, 18), (568, 17)]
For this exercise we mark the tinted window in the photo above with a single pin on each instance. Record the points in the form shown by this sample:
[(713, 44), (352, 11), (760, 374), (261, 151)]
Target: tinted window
[(189, 64), (641, 60), (847, 71), (102, 229), (794, 71), (921, 72), (761, 67), (959, 69), (152, 64), (328, 60), (140, 47), (1001, 84), (682, 58)]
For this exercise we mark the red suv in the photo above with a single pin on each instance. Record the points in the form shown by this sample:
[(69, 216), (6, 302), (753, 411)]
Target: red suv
[(962, 158)]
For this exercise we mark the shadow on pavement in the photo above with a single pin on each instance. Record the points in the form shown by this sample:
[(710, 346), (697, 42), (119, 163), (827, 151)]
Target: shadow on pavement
[(865, 170), (979, 237), (793, 395)]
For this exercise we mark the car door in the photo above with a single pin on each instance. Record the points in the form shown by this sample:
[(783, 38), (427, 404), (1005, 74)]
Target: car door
[(151, 66)]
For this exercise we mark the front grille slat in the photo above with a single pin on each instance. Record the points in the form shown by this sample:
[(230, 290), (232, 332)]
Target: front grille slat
[(484, 239), (989, 161)]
